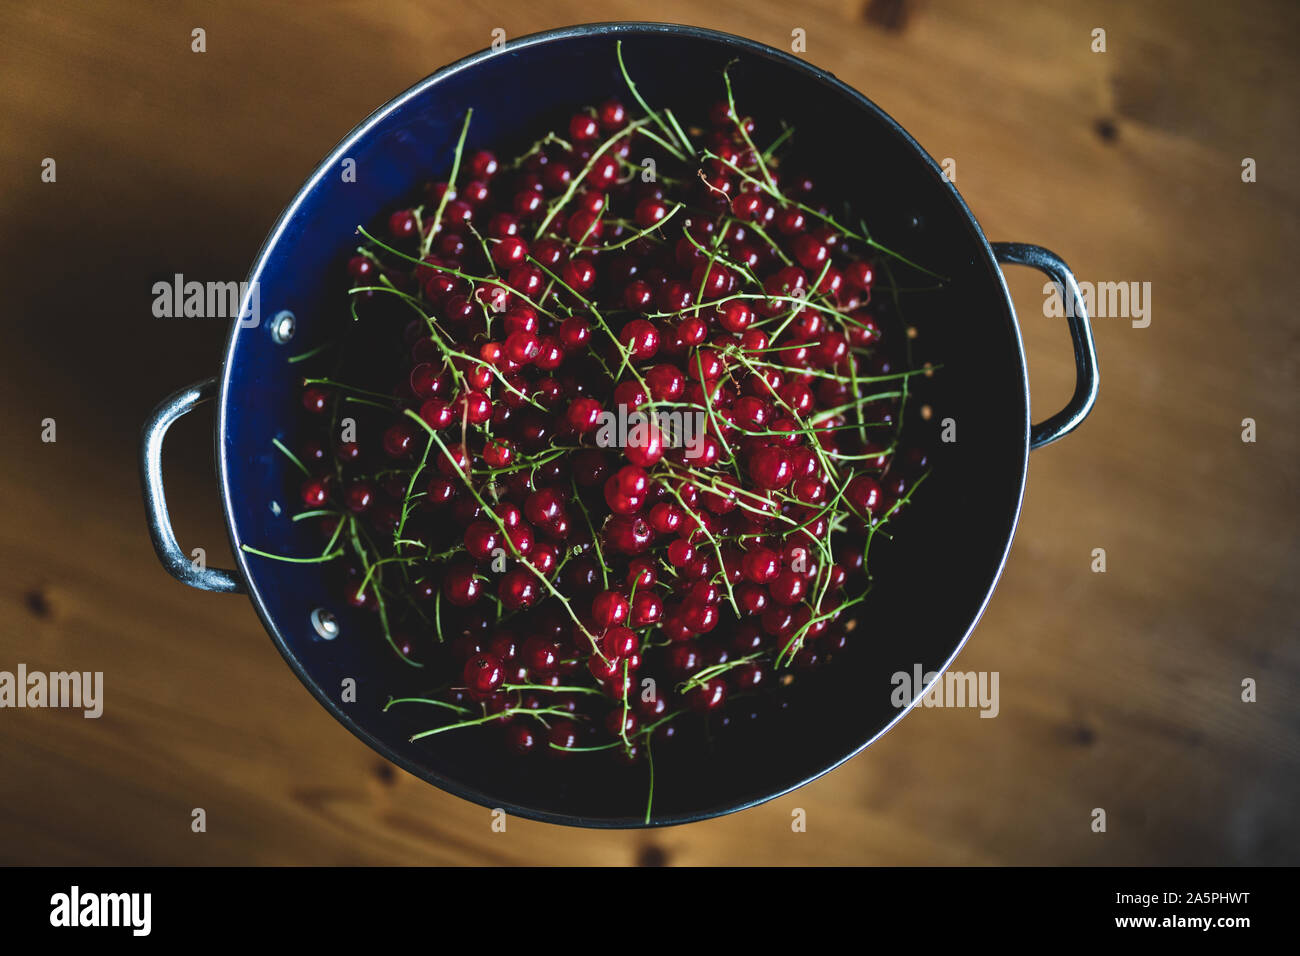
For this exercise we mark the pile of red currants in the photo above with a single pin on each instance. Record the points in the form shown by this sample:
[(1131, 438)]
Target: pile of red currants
[(582, 583)]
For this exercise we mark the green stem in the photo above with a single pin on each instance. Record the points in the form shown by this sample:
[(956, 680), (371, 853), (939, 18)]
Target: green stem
[(427, 240), (291, 456)]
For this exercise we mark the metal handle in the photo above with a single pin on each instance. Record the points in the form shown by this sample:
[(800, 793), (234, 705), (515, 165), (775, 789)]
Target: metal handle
[(1087, 380), (155, 502)]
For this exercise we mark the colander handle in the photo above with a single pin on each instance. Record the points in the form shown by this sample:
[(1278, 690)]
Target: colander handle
[(1087, 379), (155, 502)]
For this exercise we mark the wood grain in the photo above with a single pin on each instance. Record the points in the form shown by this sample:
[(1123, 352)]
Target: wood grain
[(1119, 690)]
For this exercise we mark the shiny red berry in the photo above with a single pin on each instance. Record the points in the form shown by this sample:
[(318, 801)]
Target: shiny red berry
[(315, 399), (761, 565), (770, 468), (708, 697), (483, 674), (519, 588), (583, 414), (863, 495), (399, 440), (314, 493), (640, 338), (612, 115), (609, 608), (482, 164)]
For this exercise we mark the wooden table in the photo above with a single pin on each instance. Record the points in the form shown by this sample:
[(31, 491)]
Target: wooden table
[(1119, 690)]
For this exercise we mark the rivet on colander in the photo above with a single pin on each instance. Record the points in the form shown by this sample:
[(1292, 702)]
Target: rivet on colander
[(283, 327), (326, 625)]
